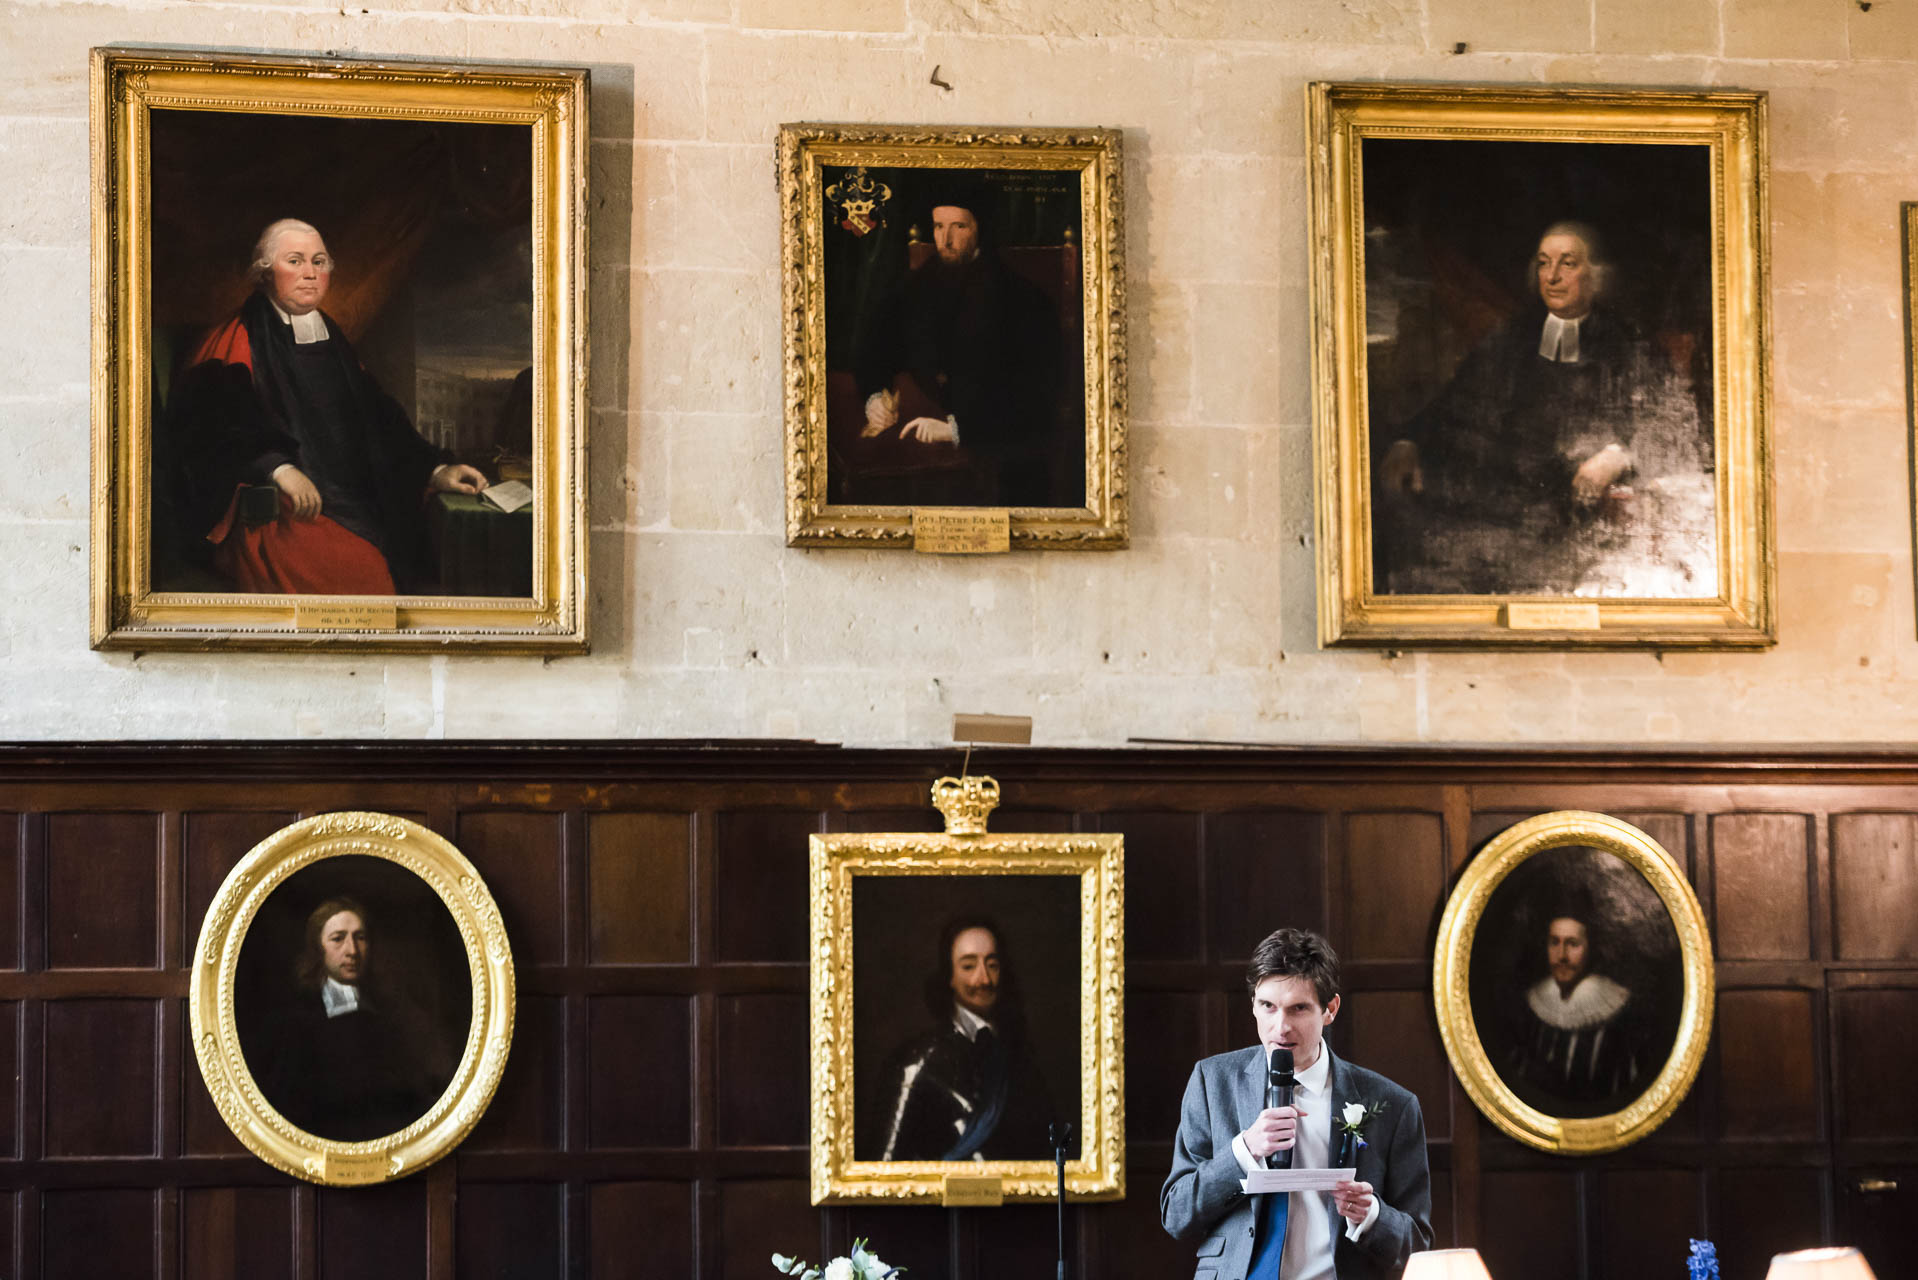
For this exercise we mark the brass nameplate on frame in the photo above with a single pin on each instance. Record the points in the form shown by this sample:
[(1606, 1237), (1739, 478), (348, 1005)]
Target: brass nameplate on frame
[(947, 531), (338, 1170), (1551, 616), (973, 1193), (345, 617)]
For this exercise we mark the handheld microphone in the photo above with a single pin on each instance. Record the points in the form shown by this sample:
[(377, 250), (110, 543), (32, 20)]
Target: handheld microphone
[(1279, 1083)]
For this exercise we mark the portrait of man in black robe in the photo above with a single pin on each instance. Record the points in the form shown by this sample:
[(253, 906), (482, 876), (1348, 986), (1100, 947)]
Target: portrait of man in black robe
[(353, 998), (953, 306), (1546, 430)]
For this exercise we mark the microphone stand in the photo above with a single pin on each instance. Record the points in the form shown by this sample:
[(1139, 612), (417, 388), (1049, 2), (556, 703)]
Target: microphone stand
[(1061, 1134)]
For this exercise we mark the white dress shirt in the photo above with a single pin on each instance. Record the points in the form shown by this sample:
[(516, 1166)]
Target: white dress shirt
[(1308, 1238)]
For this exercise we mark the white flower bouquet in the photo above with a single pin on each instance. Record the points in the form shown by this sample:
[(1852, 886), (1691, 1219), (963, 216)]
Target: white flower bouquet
[(860, 1264)]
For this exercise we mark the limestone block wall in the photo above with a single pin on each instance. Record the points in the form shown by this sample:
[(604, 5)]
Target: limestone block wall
[(706, 624)]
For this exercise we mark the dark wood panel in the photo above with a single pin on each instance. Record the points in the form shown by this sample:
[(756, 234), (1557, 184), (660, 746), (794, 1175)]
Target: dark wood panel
[(869, 821), (1165, 1032), (1164, 902), (1020, 1240), (1529, 1227), (9, 892), (512, 1231), (1760, 863), (102, 875), (634, 1221), (99, 1077), (1396, 1033), (639, 901), (236, 1233), (373, 1233), (1880, 1222), (1394, 874), (760, 856), (528, 1110), (1646, 1217), (639, 1071), (11, 1102), (762, 1059), (1127, 1234), (213, 842), (916, 1237), (1766, 1048), (1873, 1062), (1269, 869), (97, 1233), (518, 854), (1762, 1212), (760, 1218), (1874, 872)]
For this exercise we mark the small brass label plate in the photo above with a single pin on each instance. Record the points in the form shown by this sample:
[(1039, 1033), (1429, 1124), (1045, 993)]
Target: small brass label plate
[(966, 1192), (1555, 616), (344, 1170), (961, 531), (345, 617)]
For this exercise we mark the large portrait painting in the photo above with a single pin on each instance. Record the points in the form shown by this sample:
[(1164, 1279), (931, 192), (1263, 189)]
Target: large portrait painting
[(955, 332), (352, 998), (1541, 336), (1574, 982), (966, 1015), (339, 363)]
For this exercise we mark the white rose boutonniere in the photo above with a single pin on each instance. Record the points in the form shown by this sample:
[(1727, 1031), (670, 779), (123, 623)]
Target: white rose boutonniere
[(1353, 1118)]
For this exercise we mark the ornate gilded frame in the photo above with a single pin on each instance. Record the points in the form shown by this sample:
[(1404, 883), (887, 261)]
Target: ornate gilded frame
[(216, 1037), (1732, 125), (1451, 983), (966, 850), (812, 518), (127, 611)]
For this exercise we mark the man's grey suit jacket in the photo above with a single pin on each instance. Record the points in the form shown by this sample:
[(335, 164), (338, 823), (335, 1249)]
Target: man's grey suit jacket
[(1201, 1200)]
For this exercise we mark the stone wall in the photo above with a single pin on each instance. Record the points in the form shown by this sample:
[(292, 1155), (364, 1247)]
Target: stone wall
[(706, 624)]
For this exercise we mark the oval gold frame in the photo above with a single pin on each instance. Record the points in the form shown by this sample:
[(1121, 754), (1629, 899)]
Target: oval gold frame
[(216, 1042), (1451, 983)]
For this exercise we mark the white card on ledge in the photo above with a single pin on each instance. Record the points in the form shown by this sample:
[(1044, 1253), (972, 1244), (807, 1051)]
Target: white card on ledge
[(508, 496), (1264, 1180)]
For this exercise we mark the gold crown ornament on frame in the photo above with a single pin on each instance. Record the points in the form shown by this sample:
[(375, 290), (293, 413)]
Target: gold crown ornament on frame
[(966, 802)]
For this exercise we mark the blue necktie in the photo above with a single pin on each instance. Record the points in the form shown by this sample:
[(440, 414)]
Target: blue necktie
[(1270, 1247)]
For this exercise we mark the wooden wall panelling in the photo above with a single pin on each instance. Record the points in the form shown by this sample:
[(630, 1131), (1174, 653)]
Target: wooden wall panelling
[(635, 1223), (657, 899), (1761, 905), (640, 887), (1874, 871), (1645, 1217), (1762, 1211)]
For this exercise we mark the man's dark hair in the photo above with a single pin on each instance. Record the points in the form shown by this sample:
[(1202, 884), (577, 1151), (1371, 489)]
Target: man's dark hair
[(938, 988), (1295, 953), (310, 971)]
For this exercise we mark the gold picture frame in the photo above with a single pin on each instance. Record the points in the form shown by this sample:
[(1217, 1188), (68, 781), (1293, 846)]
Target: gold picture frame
[(1027, 402), (255, 998), (1474, 491), (1573, 981), (1053, 908), (452, 197)]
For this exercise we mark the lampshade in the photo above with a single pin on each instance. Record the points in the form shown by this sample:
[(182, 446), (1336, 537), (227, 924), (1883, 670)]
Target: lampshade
[(1818, 1264), (1446, 1264)]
